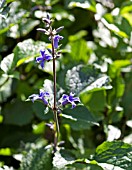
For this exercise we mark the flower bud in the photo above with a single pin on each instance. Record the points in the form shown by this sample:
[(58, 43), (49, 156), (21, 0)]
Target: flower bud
[(59, 29)]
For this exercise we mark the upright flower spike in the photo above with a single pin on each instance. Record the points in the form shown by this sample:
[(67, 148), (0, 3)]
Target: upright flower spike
[(41, 96), (57, 38), (69, 100), (44, 57)]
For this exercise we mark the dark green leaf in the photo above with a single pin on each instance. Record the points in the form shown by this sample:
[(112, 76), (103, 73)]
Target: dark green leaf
[(116, 153), (78, 118), (41, 111), (16, 135), (83, 166), (17, 113)]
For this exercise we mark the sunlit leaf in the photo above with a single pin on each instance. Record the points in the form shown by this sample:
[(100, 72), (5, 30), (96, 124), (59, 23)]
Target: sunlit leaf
[(86, 79), (27, 50), (37, 159), (14, 10), (61, 159), (5, 88), (78, 50), (126, 7), (7, 63), (89, 5), (116, 153), (114, 28)]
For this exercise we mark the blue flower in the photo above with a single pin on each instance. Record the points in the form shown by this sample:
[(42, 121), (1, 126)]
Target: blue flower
[(69, 100), (44, 57), (41, 96), (57, 38)]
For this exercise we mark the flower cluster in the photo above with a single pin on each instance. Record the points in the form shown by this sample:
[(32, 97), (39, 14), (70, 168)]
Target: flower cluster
[(69, 100), (41, 96), (52, 54)]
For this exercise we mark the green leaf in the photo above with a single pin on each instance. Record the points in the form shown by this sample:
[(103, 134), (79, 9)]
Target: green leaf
[(126, 7), (41, 111), (88, 5), (13, 10), (81, 79), (61, 159), (17, 113), (127, 97), (101, 83), (116, 153), (23, 28), (65, 160), (78, 51), (83, 166), (78, 118), (7, 63), (16, 135), (96, 98), (114, 29), (26, 51), (37, 159), (5, 88), (5, 151)]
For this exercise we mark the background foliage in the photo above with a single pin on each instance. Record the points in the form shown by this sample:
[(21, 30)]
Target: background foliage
[(96, 65)]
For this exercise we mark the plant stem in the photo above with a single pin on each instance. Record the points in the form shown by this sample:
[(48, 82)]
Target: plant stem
[(54, 88)]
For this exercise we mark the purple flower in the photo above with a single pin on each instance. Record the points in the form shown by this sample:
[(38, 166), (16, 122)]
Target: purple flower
[(41, 96), (44, 57), (57, 38), (69, 100)]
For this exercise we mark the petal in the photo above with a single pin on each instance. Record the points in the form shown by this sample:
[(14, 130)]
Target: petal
[(55, 43), (38, 59), (60, 37), (73, 105), (72, 94), (64, 102), (64, 96), (44, 100), (42, 64), (48, 57), (42, 52), (34, 97), (46, 94), (76, 99)]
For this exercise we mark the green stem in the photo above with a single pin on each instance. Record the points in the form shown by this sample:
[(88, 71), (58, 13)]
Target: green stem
[(54, 87)]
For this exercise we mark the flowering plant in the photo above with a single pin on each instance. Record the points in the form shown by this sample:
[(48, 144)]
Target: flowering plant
[(89, 61), (53, 54)]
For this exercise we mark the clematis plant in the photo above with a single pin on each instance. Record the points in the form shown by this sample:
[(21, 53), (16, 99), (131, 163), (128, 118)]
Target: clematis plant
[(47, 55)]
